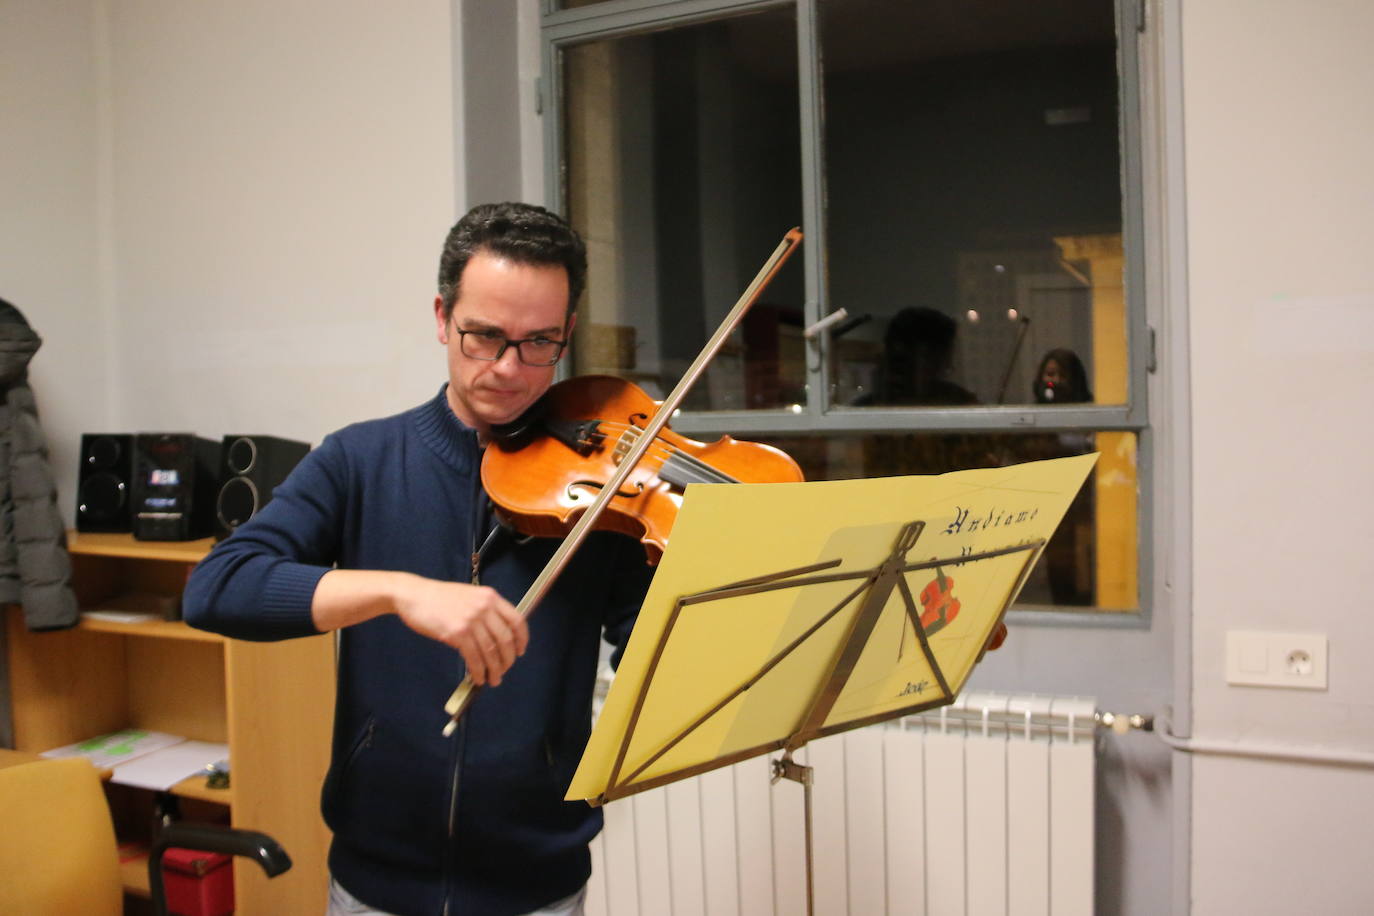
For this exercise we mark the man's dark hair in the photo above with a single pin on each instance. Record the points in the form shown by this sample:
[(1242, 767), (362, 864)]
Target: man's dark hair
[(523, 233)]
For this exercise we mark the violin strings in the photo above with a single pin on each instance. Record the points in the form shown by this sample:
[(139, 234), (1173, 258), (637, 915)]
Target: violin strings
[(696, 470), (708, 472), (663, 453), (687, 468), (620, 428)]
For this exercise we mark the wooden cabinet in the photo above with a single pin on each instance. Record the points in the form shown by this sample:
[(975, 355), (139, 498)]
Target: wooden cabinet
[(273, 703)]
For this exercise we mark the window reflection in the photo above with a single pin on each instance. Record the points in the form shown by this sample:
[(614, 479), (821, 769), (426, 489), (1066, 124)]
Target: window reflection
[(970, 166), (973, 170), (683, 155), (1090, 563), (917, 360)]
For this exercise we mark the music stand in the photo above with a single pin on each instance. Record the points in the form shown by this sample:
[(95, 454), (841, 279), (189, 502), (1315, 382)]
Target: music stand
[(868, 632)]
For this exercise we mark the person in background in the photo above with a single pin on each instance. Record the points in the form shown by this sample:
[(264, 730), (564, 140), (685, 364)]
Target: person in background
[(1069, 556), (918, 353), (385, 534), (1061, 379)]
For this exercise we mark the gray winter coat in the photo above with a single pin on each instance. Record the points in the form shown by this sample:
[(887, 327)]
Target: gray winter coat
[(35, 569)]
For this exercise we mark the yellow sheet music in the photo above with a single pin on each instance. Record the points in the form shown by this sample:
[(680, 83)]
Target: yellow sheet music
[(737, 675)]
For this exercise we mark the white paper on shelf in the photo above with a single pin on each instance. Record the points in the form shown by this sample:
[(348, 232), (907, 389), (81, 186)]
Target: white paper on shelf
[(108, 751), (121, 616), (165, 768)]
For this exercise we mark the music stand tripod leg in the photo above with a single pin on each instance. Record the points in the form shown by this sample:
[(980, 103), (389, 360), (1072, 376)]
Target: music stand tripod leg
[(787, 768)]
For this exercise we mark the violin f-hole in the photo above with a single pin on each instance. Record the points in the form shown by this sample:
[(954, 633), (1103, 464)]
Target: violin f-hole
[(595, 485)]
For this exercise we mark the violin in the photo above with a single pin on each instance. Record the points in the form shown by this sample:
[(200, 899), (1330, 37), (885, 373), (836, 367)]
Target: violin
[(546, 468)]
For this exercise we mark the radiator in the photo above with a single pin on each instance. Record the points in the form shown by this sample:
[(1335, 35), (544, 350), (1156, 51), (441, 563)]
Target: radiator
[(981, 807)]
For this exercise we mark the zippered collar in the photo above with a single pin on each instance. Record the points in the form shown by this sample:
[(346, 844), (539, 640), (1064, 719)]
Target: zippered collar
[(450, 438)]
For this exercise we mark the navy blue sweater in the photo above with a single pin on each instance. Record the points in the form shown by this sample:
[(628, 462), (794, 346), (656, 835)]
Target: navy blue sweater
[(423, 824)]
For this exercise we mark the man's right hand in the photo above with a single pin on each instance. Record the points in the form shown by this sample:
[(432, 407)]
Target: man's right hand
[(485, 628), (474, 619)]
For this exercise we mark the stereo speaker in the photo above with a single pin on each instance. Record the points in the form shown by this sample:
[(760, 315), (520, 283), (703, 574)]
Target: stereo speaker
[(103, 482), (251, 467), (175, 479)]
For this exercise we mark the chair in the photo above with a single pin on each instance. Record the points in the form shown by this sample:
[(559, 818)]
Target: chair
[(58, 850)]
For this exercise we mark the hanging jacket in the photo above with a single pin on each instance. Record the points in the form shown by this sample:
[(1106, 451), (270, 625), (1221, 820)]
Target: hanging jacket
[(35, 569)]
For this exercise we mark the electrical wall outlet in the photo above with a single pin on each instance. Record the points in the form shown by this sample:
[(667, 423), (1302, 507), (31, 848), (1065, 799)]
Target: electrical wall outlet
[(1262, 659)]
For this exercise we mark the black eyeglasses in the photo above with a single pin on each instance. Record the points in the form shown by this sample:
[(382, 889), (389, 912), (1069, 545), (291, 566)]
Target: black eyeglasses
[(492, 345)]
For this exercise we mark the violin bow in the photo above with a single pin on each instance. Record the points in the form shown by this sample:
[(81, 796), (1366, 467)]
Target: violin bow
[(463, 696)]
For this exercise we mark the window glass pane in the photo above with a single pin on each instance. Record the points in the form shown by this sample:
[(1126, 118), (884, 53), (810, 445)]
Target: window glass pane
[(974, 204), (683, 173), (1090, 563)]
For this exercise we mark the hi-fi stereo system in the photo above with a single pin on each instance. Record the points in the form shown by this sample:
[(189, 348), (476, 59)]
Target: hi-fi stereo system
[(251, 468), (103, 485), (178, 486)]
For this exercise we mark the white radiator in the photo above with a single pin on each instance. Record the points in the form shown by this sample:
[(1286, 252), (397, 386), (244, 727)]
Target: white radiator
[(982, 807)]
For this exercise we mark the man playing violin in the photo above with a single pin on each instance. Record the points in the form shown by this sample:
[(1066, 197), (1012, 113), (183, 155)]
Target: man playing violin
[(384, 534)]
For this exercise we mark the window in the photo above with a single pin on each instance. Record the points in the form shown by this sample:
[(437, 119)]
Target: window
[(962, 175)]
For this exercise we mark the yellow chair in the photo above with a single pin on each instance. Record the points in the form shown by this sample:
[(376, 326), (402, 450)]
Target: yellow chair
[(58, 851), (57, 845)]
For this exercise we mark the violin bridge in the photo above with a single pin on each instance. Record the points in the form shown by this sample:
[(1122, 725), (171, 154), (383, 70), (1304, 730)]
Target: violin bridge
[(624, 444)]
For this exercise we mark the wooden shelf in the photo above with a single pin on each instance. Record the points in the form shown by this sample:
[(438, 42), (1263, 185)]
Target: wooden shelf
[(157, 629), (125, 545), (272, 703), (195, 787), (133, 874)]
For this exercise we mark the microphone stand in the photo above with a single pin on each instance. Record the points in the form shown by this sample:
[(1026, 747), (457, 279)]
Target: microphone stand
[(1011, 361)]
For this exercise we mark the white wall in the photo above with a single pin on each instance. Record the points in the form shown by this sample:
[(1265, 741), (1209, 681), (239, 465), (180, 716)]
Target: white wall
[(1280, 204), (226, 218), (283, 183), (51, 213)]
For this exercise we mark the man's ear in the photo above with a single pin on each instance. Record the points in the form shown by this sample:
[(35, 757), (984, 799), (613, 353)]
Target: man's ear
[(440, 322), (568, 329)]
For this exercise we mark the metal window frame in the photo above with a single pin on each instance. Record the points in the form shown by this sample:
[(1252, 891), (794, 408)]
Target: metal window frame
[(562, 28)]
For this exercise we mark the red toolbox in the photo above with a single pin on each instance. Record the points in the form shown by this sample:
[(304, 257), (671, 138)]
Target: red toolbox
[(198, 883)]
